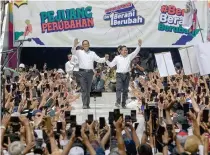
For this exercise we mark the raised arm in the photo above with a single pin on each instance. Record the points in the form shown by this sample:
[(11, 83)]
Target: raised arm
[(134, 53), (120, 141), (113, 63), (73, 49), (98, 59)]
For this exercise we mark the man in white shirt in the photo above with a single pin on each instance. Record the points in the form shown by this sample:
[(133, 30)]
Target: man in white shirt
[(69, 66), (76, 69), (123, 62), (86, 58), (72, 67)]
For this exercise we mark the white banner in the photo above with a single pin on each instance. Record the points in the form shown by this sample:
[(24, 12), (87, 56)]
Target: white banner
[(203, 58), (169, 64), (165, 64), (208, 37), (189, 60), (105, 23), (161, 65)]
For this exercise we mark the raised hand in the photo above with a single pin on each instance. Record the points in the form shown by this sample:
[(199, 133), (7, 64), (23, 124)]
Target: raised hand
[(29, 147), (165, 137), (84, 137), (118, 123), (5, 120), (140, 42), (24, 120), (76, 42), (106, 57)]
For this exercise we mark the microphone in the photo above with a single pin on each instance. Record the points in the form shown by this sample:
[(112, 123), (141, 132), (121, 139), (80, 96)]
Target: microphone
[(22, 40)]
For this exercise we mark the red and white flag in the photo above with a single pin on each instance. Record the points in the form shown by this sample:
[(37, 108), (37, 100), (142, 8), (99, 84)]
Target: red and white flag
[(190, 16)]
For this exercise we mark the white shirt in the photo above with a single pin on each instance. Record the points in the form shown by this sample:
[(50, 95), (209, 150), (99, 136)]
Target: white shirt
[(86, 59), (69, 67), (75, 62), (123, 63)]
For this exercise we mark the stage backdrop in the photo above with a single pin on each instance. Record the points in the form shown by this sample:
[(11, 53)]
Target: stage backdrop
[(208, 37), (106, 23)]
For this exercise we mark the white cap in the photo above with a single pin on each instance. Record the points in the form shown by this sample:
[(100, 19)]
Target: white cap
[(60, 71), (15, 114), (15, 148), (76, 151), (21, 66)]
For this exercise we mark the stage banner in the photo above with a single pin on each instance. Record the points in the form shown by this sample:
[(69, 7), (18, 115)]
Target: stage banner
[(208, 37), (105, 23)]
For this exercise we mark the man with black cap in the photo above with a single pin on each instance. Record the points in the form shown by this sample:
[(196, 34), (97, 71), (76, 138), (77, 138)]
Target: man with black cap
[(118, 49), (123, 62), (86, 58)]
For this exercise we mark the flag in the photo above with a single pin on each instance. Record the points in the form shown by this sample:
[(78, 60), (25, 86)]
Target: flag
[(194, 21), (190, 16)]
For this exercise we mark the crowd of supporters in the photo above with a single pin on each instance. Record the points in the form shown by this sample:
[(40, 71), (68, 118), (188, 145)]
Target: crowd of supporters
[(36, 119)]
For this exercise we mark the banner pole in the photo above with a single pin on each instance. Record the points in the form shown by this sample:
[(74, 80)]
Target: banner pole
[(200, 29), (165, 63), (199, 26), (189, 60)]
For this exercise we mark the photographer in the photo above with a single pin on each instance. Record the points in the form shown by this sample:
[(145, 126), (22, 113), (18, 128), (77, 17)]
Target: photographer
[(98, 83), (136, 69)]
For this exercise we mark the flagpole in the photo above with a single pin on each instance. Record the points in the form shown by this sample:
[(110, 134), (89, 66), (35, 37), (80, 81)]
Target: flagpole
[(199, 26), (165, 62)]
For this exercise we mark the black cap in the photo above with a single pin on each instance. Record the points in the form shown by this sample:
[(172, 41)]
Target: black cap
[(119, 46)]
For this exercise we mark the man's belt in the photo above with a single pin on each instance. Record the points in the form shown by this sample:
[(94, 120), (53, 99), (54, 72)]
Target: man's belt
[(85, 70), (124, 73)]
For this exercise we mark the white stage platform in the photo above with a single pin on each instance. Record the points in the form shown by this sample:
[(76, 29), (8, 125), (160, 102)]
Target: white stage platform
[(104, 105), (100, 108)]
